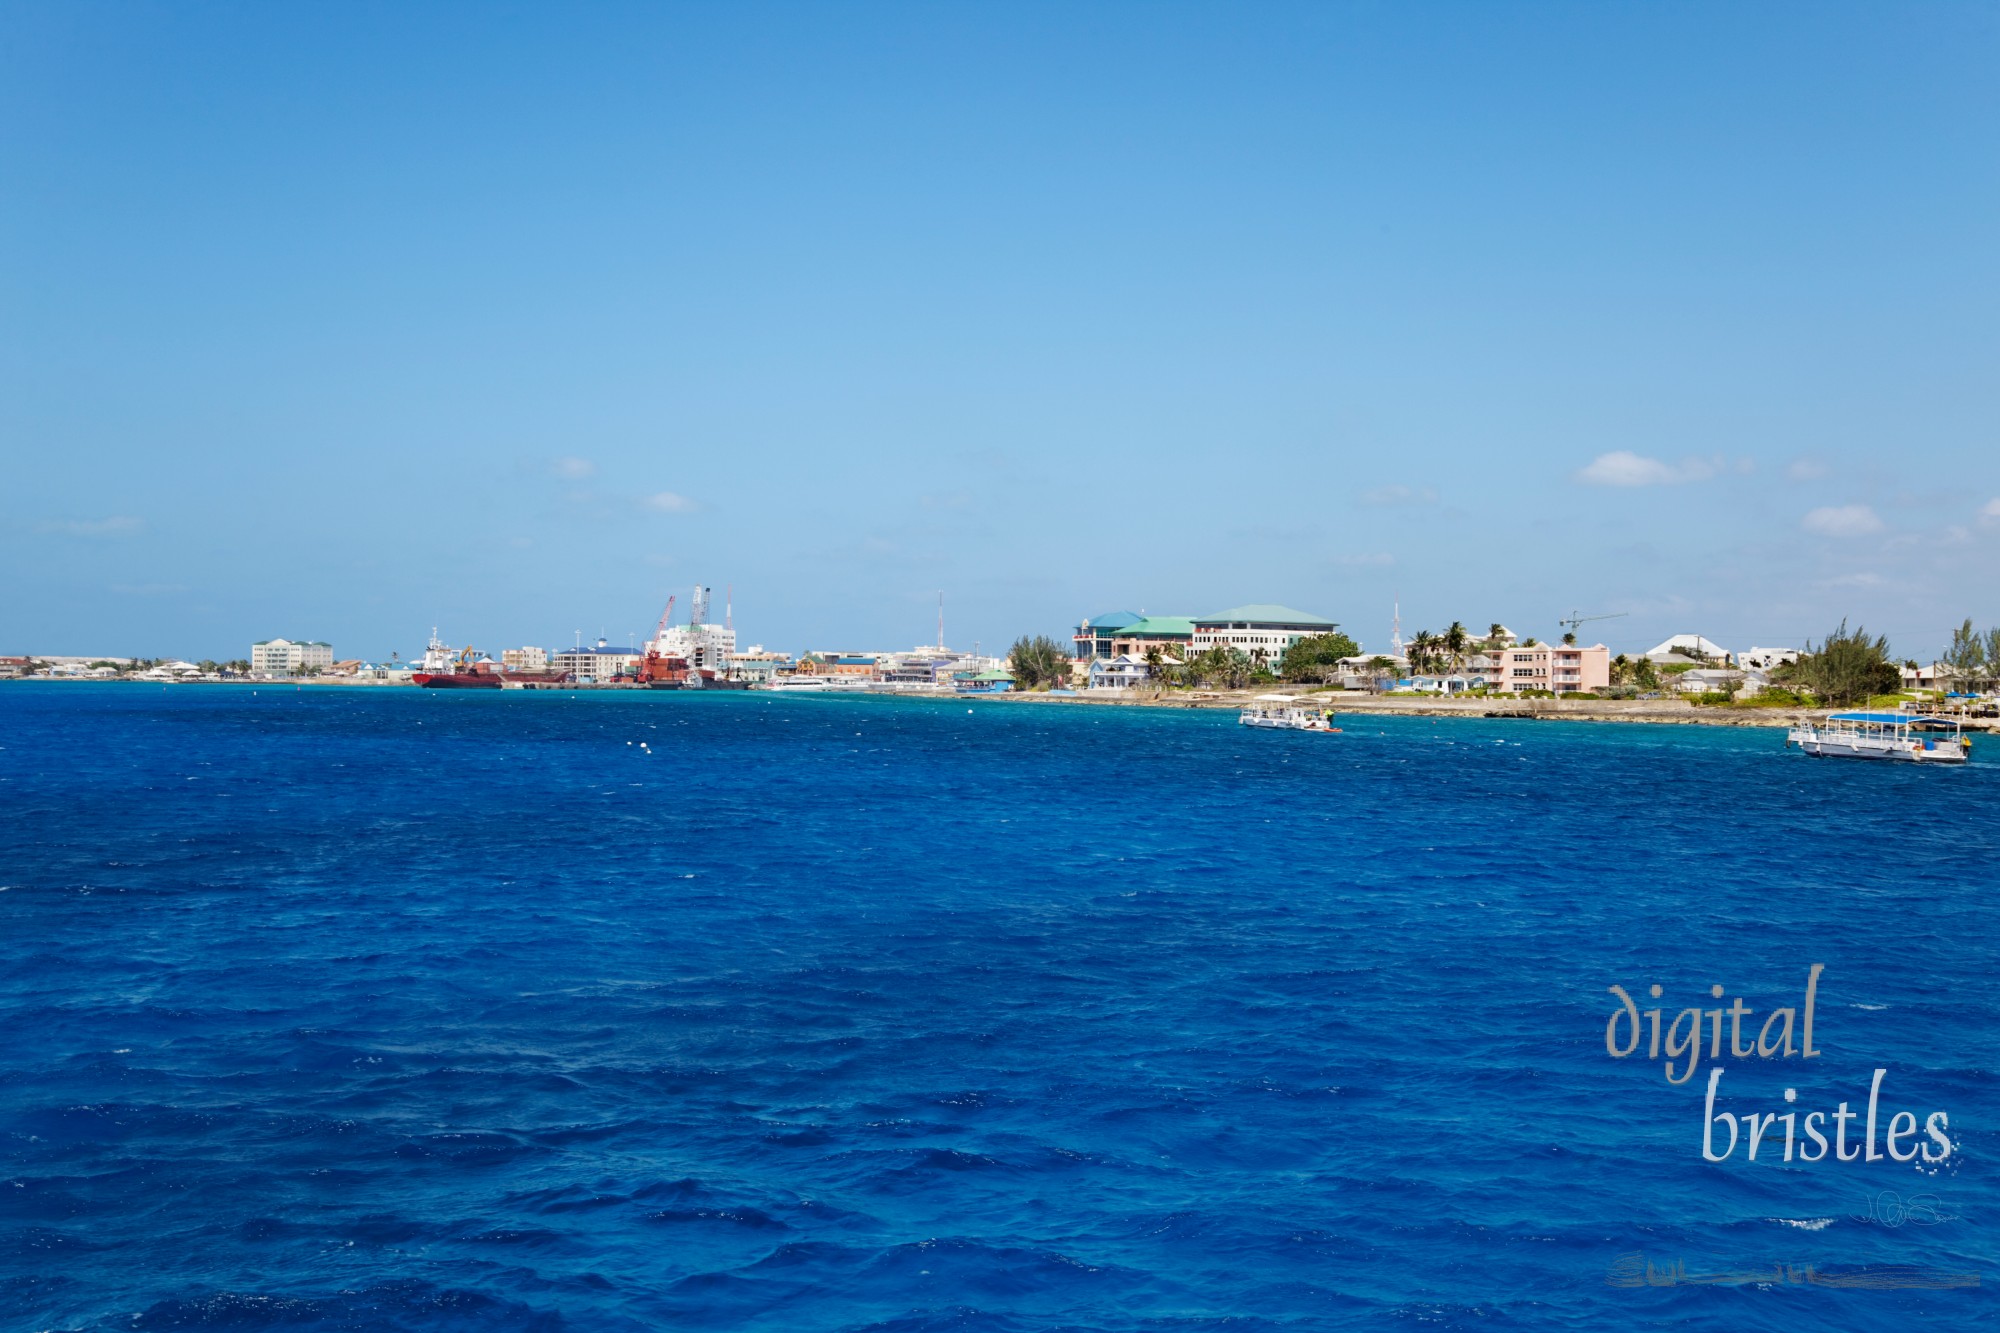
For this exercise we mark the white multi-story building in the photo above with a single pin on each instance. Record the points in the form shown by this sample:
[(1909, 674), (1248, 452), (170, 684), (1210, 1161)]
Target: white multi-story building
[(525, 659), (704, 647), (282, 657), (1258, 631), (600, 663)]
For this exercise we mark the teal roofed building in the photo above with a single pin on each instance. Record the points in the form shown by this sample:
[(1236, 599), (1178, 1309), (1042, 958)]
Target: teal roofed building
[(1170, 634), (1093, 636), (1261, 630)]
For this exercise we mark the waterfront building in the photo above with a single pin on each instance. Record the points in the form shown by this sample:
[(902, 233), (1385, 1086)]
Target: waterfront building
[(1260, 631), (1708, 680), (1560, 668), (1122, 672), (596, 664), (1170, 634), (1093, 638), (756, 665), (1452, 684), (1930, 676), (525, 659), (283, 657), (14, 666)]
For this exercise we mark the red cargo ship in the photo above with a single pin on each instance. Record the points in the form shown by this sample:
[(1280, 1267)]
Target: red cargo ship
[(442, 671)]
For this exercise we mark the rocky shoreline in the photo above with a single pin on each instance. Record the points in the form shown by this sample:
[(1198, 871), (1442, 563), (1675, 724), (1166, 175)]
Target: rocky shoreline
[(1659, 712)]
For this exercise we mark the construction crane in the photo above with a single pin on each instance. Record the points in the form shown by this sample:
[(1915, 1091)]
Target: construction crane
[(666, 619), (1576, 622)]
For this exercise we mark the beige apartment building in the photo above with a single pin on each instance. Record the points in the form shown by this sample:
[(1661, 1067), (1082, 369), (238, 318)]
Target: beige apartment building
[(281, 657)]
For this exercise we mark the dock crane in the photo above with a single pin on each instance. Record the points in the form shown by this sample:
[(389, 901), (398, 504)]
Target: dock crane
[(655, 666)]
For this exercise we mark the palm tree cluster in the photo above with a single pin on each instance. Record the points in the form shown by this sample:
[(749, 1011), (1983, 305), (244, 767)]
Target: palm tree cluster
[(1439, 653), (1220, 666)]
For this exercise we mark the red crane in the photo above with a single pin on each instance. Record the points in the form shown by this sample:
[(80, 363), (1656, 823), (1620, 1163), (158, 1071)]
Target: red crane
[(657, 667)]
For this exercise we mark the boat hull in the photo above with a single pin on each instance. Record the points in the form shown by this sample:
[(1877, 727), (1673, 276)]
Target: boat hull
[(1822, 745), (456, 680)]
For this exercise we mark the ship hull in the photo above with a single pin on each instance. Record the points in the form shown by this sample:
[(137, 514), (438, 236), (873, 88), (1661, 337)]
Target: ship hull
[(456, 680)]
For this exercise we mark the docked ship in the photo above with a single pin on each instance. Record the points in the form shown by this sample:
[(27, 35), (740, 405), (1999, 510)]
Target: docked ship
[(694, 656), (1911, 737), (443, 670)]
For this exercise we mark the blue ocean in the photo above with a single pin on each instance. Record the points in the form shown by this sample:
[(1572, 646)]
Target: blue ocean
[(396, 1009)]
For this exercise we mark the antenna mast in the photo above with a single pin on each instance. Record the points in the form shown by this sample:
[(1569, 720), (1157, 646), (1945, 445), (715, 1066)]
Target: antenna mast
[(729, 607), (700, 609), (940, 619)]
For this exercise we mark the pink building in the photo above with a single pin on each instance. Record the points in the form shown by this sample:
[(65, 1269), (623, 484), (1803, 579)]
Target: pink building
[(1560, 668)]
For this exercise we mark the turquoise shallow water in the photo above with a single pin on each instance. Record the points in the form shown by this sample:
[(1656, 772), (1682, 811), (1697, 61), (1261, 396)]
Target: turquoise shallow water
[(403, 1010)]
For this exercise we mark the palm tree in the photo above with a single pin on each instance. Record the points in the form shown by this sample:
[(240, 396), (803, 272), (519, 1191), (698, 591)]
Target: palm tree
[(1423, 648), (1455, 642)]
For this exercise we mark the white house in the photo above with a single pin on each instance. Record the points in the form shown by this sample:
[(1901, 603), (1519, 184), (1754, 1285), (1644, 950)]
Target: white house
[(1688, 647), (1707, 680), (1764, 659), (1121, 672)]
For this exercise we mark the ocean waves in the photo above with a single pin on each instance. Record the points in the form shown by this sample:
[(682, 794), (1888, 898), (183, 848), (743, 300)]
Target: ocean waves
[(461, 1013)]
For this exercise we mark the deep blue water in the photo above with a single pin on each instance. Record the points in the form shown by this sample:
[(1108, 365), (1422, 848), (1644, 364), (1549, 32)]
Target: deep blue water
[(403, 1010)]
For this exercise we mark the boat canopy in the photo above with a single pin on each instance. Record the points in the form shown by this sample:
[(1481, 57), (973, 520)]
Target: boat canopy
[(1893, 719)]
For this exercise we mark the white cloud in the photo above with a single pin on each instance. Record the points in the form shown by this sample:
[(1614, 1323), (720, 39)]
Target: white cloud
[(1399, 495), (120, 525), (1805, 469), (1622, 467), (666, 502), (1989, 513), (1842, 521), (573, 469)]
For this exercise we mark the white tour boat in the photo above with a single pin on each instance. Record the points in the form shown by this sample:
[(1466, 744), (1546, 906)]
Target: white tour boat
[(1908, 736), (1287, 719), (817, 684)]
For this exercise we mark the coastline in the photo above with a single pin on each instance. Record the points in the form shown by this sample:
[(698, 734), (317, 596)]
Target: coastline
[(1653, 712), (1656, 712)]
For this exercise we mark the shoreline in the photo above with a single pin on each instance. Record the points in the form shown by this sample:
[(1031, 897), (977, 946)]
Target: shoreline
[(1652, 712)]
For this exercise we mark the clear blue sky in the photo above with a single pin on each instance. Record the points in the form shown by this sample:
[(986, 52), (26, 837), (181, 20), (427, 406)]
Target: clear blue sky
[(340, 321)]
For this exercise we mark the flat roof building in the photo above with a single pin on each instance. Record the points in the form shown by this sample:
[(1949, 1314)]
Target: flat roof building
[(282, 657), (1260, 630)]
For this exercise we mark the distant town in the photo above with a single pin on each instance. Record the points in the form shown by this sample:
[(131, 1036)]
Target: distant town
[(1133, 656)]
